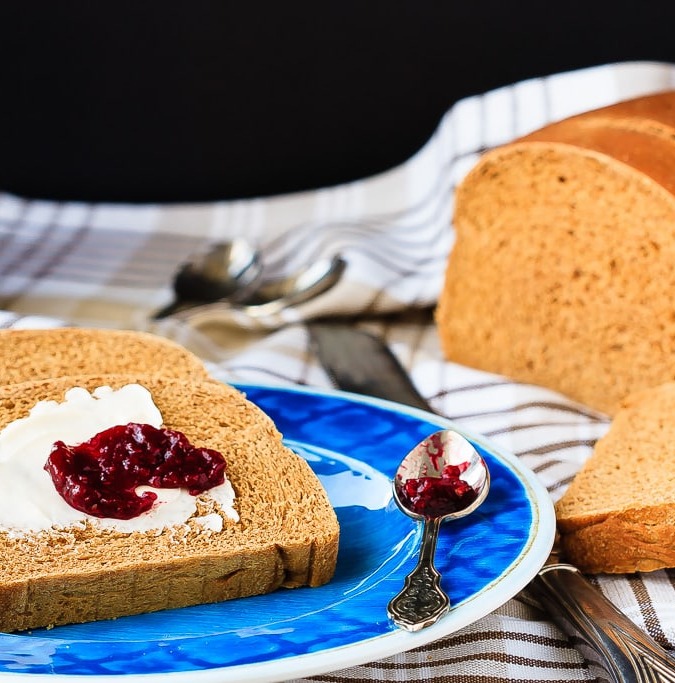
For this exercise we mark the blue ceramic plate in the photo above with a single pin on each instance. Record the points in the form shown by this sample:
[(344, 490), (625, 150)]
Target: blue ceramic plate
[(354, 445)]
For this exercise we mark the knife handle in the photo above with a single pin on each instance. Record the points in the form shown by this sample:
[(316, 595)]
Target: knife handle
[(615, 649)]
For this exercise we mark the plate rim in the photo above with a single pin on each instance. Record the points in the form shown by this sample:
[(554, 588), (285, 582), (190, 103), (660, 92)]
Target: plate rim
[(528, 563)]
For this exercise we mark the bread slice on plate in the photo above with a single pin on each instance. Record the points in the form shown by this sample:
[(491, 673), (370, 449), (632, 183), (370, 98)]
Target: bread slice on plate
[(37, 354), (286, 533), (618, 514), (563, 268)]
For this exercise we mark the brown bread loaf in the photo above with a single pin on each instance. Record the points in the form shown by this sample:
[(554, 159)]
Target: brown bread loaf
[(287, 534), (564, 264), (37, 354), (618, 514)]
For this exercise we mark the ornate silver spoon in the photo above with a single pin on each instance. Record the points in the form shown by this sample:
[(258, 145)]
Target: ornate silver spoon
[(442, 478)]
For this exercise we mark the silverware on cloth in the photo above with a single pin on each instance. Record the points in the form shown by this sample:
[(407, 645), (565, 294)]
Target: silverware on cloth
[(269, 304), (227, 271), (614, 648)]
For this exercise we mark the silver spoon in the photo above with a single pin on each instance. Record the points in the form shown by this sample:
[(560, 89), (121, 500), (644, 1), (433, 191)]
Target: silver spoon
[(271, 298), (227, 271), (442, 478)]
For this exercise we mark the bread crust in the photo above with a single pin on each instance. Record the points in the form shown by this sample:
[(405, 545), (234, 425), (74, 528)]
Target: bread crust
[(623, 543), (287, 534)]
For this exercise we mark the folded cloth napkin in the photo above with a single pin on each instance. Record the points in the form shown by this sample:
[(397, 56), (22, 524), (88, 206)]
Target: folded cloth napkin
[(110, 266)]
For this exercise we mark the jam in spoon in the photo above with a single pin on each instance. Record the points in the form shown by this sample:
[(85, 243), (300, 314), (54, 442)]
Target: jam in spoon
[(442, 478)]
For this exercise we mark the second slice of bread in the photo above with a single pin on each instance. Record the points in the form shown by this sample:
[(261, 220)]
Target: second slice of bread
[(287, 534), (618, 514), (38, 354)]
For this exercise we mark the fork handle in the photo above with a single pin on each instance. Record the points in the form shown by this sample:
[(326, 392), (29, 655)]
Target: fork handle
[(616, 650)]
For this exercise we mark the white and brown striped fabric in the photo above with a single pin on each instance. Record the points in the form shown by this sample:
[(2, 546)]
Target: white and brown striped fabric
[(111, 265)]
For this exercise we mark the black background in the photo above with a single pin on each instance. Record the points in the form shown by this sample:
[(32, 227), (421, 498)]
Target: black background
[(201, 100)]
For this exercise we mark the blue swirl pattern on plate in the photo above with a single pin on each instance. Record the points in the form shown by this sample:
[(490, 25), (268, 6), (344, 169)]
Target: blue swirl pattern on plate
[(354, 447)]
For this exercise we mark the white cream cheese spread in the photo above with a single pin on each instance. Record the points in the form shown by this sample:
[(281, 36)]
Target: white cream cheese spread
[(29, 502)]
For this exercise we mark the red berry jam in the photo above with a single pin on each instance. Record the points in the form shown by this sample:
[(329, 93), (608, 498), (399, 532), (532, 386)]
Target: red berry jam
[(100, 476), (436, 496)]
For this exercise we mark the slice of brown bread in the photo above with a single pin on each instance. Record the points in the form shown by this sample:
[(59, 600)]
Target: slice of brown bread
[(37, 354), (618, 514), (287, 534), (564, 264)]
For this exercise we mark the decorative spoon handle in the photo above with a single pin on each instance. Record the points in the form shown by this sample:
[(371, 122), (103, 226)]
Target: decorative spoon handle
[(422, 601)]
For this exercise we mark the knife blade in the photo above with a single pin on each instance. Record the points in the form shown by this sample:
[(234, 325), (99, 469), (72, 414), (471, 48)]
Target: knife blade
[(615, 649)]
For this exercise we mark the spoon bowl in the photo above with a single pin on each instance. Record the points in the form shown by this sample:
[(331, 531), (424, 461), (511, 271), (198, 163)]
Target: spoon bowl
[(442, 478), (227, 271)]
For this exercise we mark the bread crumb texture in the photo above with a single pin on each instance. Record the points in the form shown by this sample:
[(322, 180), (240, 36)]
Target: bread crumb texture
[(618, 514), (563, 268), (287, 534)]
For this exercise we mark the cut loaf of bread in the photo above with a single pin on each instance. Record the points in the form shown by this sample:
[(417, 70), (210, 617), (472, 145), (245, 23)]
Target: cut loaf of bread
[(618, 514), (564, 263), (38, 354), (287, 534)]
